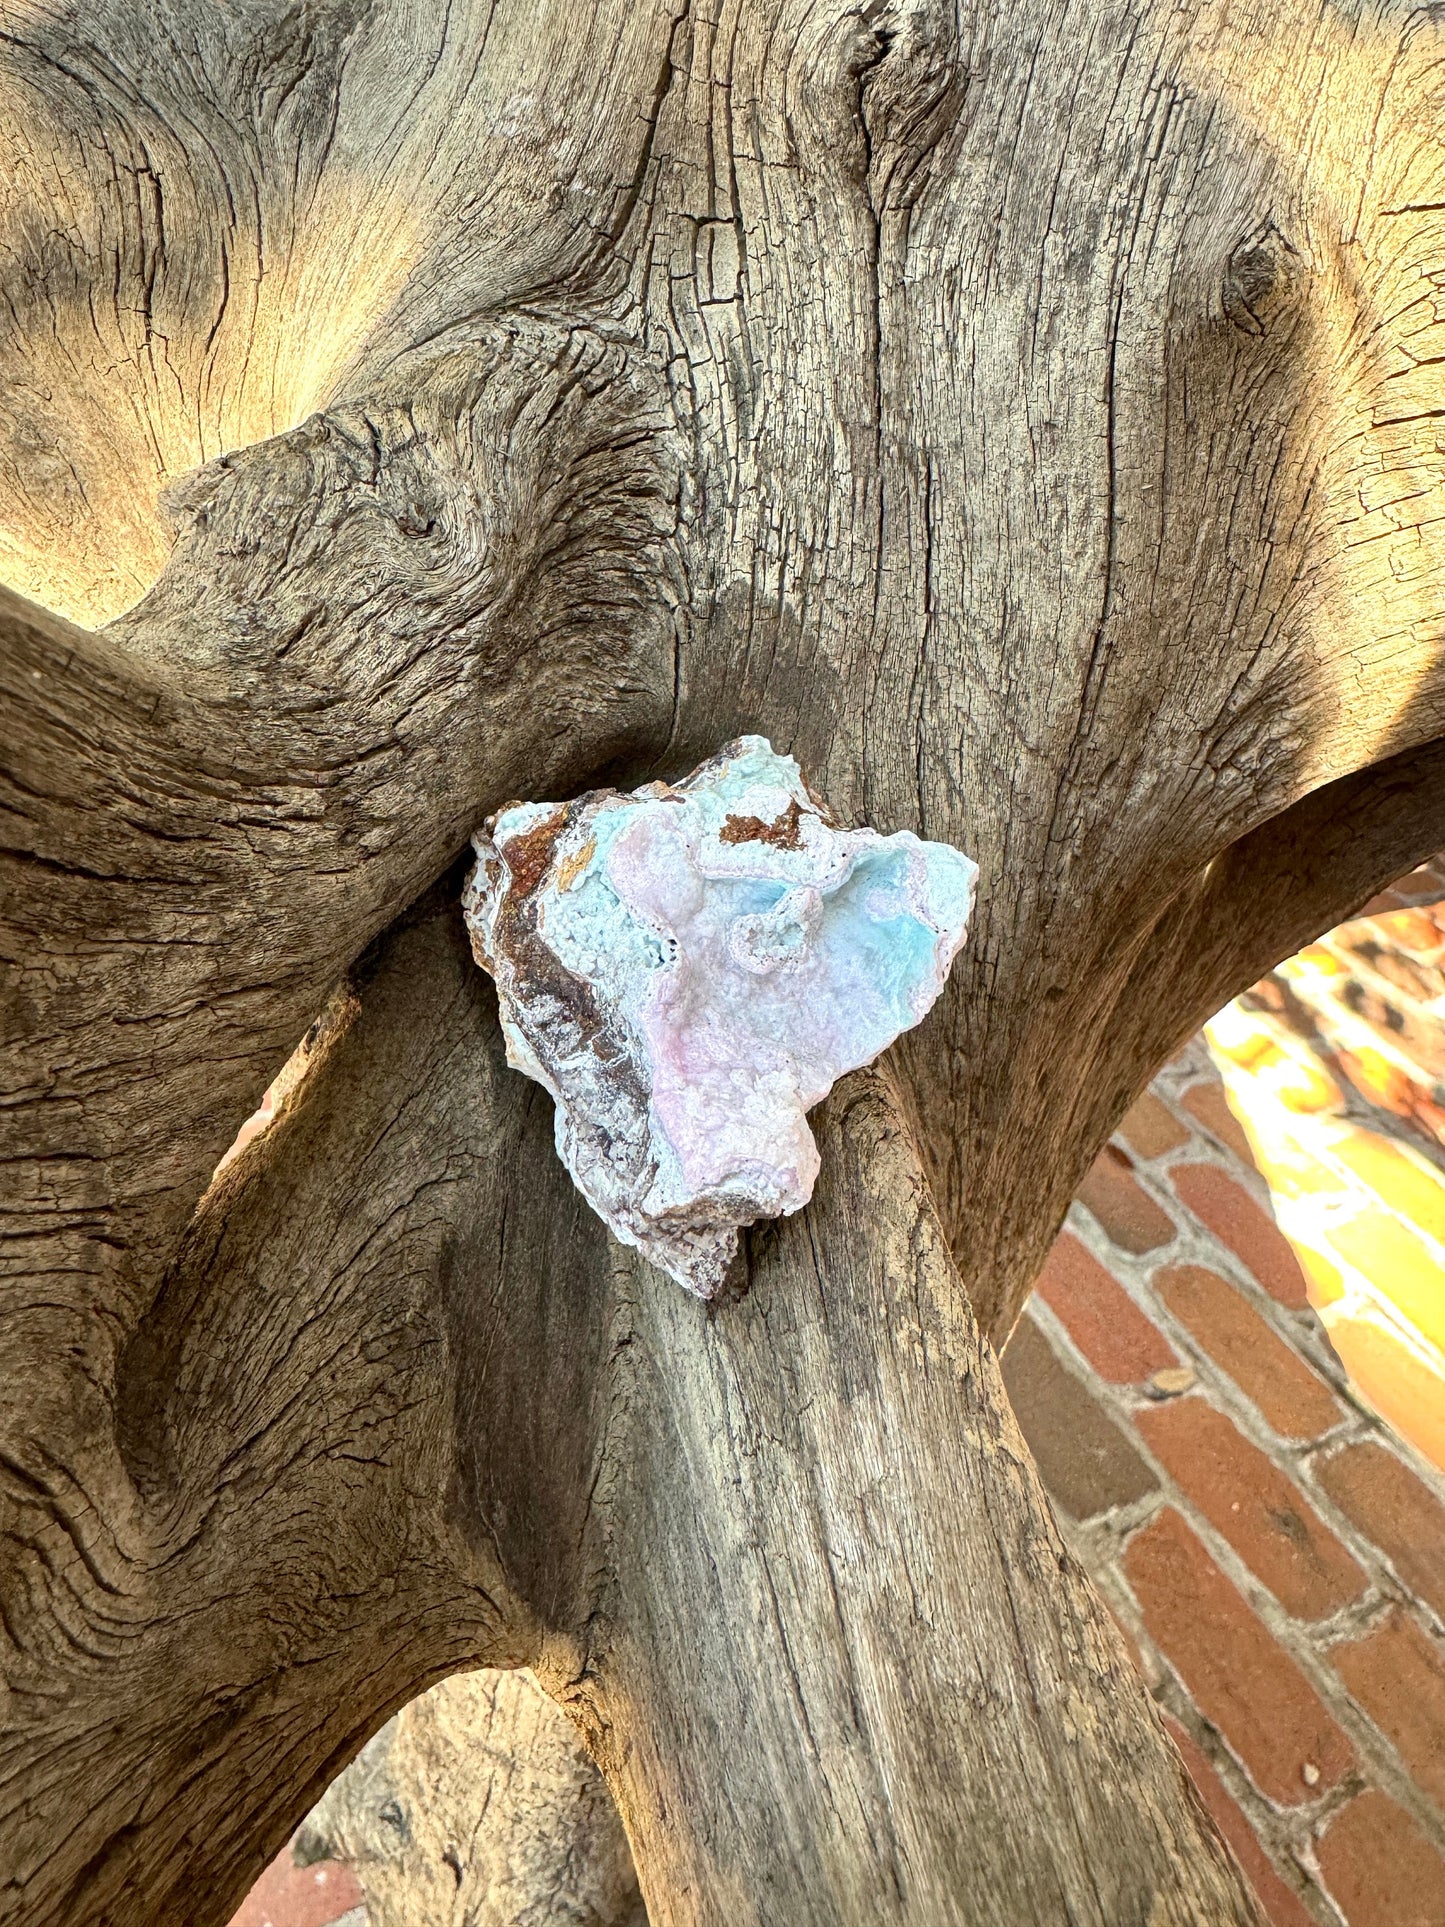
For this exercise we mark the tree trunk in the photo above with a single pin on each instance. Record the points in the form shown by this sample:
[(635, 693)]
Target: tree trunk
[(1025, 415)]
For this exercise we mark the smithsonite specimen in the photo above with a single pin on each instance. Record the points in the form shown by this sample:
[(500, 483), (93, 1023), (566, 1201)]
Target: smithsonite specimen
[(689, 969)]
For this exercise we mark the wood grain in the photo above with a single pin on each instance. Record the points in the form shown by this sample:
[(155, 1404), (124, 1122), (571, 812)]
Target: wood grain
[(1027, 415)]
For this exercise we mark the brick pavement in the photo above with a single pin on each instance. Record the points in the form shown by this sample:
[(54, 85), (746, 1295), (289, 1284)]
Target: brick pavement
[(1337, 1064), (1273, 1553)]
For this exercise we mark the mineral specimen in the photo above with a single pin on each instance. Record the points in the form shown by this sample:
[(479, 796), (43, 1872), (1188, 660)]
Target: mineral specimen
[(689, 969)]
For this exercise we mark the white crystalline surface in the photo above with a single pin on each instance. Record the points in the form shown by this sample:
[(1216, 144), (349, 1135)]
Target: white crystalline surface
[(689, 969)]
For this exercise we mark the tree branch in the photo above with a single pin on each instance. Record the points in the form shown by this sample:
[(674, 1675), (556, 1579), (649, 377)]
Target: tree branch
[(1262, 898), (401, 1409), (840, 1665), (371, 631), (214, 1594)]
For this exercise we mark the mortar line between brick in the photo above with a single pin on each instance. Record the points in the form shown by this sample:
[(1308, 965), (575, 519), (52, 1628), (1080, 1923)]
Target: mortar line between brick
[(1194, 1243), (1137, 1282), (1300, 1640), (1285, 1834)]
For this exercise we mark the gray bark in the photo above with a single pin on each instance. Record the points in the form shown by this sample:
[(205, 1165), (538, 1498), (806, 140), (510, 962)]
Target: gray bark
[(1026, 415)]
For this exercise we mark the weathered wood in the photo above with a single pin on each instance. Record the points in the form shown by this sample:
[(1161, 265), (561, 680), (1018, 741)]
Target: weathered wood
[(212, 1600), (479, 1806), (821, 1541), (790, 1549), (1026, 414)]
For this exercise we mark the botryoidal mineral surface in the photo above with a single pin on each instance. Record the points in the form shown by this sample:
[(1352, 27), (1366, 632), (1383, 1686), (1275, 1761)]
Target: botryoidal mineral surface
[(689, 969)]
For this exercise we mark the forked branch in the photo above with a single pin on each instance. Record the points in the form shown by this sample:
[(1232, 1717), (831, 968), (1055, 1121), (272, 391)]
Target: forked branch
[(400, 1409)]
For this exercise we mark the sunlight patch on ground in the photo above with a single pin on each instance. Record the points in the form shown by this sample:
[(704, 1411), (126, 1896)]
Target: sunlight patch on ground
[(1363, 1207)]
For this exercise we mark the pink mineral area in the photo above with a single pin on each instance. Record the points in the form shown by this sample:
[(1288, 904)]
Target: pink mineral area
[(758, 1016), (742, 953)]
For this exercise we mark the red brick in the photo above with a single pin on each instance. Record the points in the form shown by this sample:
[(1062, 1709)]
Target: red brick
[(290, 1896), (1417, 932), (1379, 1867), (1268, 994), (1395, 1510), (1404, 1383), (1102, 1319), (1254, 1505), (1087, 1464), (1150, 1128), (1281, 1908), (1409, 1185), (1383, 1082), (1123, 1208), (1292, 1398), (1418, 983), (1397, 1674), (1241, 1679), (1399, 1265), (1378, 906), (1423, 885), (1247, 1230), (1207, 1104)]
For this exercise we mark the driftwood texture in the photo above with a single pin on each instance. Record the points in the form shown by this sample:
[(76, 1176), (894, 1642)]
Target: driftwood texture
[(1027, 414), (478, 1806)]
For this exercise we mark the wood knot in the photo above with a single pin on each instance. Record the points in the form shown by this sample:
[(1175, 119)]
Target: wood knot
[(1261, 278)]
